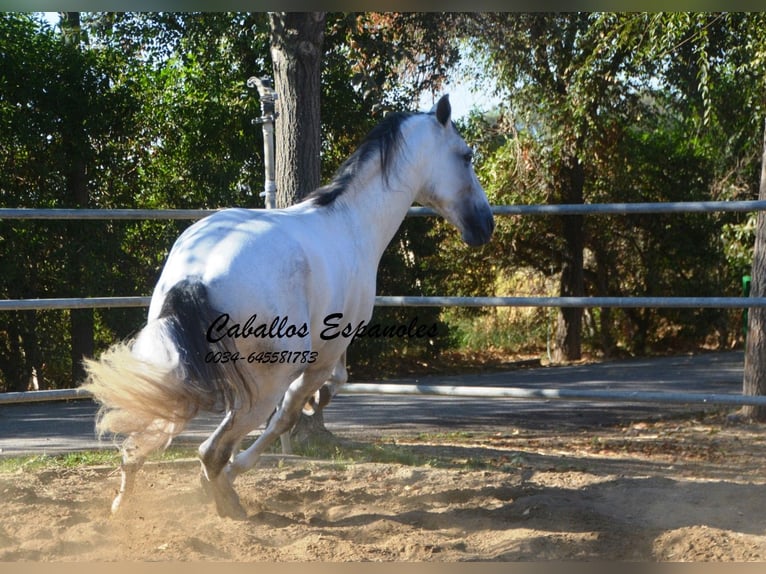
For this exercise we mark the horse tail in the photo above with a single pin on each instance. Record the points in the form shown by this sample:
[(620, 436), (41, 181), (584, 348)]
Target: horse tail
[(160, 380)]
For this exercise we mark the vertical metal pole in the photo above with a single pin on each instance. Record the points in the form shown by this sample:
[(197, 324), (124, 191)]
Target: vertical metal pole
[(268, 115)]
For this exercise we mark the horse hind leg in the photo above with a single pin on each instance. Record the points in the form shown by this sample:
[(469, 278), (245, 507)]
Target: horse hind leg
[(214, 454), (217, 451), (135, 449)]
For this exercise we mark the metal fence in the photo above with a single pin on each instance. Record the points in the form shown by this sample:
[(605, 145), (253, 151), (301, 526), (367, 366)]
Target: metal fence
[(503, 210), (561, 209)]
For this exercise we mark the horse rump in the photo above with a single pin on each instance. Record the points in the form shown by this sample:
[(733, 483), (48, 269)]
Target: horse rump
[(158, 381)]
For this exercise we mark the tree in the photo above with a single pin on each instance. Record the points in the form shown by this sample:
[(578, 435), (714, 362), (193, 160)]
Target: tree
[(718, 70), (625, 107), (76, 152), (375, 50), (296, 53), (157, 115), (561, 72), (151, 112), (754, 377)]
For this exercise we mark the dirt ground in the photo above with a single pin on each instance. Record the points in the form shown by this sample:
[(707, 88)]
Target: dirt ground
[(691, 489)]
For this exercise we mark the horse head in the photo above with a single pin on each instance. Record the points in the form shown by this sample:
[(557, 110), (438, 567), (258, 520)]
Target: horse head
[(451, 186)]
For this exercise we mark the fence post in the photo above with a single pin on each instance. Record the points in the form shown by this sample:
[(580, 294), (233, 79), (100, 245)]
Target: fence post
[(268, 115)]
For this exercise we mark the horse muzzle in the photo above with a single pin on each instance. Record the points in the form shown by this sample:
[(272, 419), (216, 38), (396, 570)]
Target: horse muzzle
[(477, 226)]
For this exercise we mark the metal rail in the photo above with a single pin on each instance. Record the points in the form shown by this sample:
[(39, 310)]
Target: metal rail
[(553, 394), (73, 303), (617, 208), (562, 209), (414, 301), (103, 214), (43, 396), (465, 392), (590, 302)]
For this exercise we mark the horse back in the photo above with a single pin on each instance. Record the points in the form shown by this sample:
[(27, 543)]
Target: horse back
[(288, 266)]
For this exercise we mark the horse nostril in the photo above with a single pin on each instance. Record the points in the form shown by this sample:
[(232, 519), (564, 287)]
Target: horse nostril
[(478, 226)]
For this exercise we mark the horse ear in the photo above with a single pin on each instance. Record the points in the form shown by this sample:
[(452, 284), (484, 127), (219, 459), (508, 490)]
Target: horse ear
[(443, 110)]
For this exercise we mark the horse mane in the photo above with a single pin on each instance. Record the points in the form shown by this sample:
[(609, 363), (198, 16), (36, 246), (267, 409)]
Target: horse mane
[(384, 140)]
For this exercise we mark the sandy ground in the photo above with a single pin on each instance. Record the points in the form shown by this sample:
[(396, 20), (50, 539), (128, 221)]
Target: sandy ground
[(677, 490)]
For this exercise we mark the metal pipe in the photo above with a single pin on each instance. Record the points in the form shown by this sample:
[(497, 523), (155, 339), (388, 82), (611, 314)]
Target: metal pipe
[(73, 303), (103, 214), (616, 208), (467, 392), (553, 394), (268, 115), (590, 302), (564, 209), (42, 396), (407, 301)]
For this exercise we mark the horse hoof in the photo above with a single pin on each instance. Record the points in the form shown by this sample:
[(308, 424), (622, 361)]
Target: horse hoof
[(228, 505), (231, 509)]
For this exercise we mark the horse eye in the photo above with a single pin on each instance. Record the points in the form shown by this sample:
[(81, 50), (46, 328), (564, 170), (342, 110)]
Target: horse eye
[(468, 156)]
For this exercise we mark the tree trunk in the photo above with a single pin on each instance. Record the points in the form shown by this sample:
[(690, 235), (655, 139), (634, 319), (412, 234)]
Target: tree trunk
[(754, 379), (567, 341), (81, 321), (296, 51), (311, 428), (75, 145)]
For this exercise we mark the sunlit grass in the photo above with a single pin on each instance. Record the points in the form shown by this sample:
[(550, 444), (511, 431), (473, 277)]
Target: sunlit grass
[(341, 454), (91, 458), (12, 464)]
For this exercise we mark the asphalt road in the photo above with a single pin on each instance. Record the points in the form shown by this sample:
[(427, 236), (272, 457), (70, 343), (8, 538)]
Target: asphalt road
[(56, 427)]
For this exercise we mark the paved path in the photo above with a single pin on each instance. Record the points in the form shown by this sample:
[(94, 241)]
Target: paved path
[(54, 427)]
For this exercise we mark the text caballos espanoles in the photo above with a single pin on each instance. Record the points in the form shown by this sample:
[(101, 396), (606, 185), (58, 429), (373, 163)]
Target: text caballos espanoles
[(333, 327)]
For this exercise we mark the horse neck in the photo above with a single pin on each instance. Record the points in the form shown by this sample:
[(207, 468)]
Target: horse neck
[(375, 209)]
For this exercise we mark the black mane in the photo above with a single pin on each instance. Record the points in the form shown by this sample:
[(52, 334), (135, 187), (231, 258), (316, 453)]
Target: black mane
[(384, 140)]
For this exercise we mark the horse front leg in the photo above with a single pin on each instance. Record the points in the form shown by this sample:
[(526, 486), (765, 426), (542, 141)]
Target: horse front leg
[(281, 422), (320, 398)]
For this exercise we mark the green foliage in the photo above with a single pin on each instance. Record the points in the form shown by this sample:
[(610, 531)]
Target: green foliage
[(169, 128), (103, 458), (651, 106), (63, 118)]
